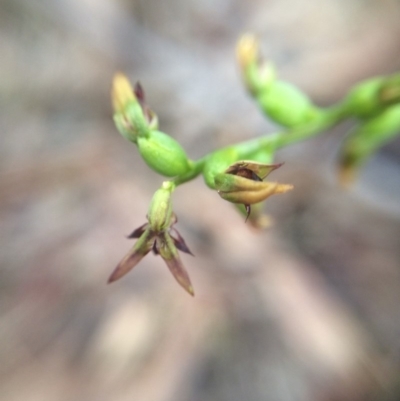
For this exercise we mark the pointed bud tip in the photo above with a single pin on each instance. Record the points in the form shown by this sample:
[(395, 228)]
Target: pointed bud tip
[(185, 284), (135, 255), (247, 50), (139, 92), (121, 92), (113, 277), (282, 188), (262, 222), (119, 272), (347, 176)]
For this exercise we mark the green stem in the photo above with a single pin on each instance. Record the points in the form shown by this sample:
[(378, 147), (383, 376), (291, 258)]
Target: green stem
[(245, 150), (329, 118), (272, 142), (196, 168)]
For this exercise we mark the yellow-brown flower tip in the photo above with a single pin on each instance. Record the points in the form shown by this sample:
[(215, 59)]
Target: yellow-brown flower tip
[(180, 274), (347, 176), (348, 168), (168, 251), (247, 50), (248, 192), (261, 221), (121, 92)]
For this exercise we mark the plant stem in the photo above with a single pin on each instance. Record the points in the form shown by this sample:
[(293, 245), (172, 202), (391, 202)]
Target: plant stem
[(196, 169), (246, 150)]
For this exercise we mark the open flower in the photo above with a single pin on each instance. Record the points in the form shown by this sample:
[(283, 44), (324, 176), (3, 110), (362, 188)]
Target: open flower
[(159, 236), (243, 183), (165, 243)]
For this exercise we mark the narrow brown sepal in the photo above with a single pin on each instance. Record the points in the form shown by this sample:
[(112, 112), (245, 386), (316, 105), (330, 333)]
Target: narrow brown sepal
[(179, 242), (127, 264), (166, 248), (139, 93), (259, 170), (248, 211), (180, 274), (142, 247), (138, 231)]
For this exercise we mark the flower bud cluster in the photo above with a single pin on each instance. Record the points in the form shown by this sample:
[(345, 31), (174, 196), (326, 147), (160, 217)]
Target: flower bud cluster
[(281, 101), (139, 124), (238, 172)]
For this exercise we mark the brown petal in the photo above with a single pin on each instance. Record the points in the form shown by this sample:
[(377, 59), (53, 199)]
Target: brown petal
[(179, 272), (137, 253), (242, 190), (180, 242), (170, 254), (259, 169), (247, 50), (121, 92), (139, 92), (138, 232)]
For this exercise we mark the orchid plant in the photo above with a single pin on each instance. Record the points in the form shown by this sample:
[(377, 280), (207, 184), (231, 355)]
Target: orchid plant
[(238, 172)]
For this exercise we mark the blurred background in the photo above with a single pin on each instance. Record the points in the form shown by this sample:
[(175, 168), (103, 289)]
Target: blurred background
[(308, 310)]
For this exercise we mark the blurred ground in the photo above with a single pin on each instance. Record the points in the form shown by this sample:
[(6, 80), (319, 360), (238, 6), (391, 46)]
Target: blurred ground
[(308, 310)]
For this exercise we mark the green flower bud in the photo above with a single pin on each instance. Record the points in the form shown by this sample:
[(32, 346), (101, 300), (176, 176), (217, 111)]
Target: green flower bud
[(124, 127), (286, 105), (137, 120), (247, 50), (132, 117), (129, 116), (366, 139), (257, 75), (163, 154), (217, 162), (242, 182), (239, 189), (390, 90), (160, 210), (121, 92), (364, 100), (131, 123)]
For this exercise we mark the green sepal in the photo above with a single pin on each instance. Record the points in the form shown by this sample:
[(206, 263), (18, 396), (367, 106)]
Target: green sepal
[(163, 154), (259, 77), (124, 128), (134, 114), (218, 162), (130, 122)]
